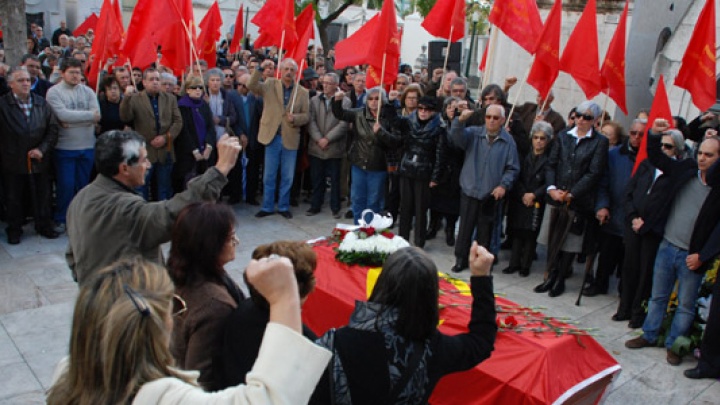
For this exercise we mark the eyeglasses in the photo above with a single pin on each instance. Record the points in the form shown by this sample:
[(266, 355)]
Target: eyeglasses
[(489, 98), (667, 146), (493, 117), (229, 75), (401, 83), (242, 84), (195, 88), (636, 133), (179, 305), (137, 300), (349, 73), (540, 137), (586, 117)]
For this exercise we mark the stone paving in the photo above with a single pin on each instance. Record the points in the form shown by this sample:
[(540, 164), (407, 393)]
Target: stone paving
[(37, 296)]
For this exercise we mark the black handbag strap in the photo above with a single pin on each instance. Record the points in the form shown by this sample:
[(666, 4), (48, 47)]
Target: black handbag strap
[(408, 373)]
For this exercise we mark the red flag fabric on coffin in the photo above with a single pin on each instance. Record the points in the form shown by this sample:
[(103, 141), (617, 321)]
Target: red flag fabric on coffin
[(445, 17), (108, 38), (209, 35), (275, 18), (144, 32), (697, 70), (580, 58), (660, 109), (238, 33), (519, 20), (612, 73), (546, 67), (353, 50), (304, 26), (89, 23)]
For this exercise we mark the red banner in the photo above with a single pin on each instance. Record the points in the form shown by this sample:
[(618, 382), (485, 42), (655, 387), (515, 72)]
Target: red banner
[(660, 109), (209, 35), (612, 74), (546, 67), (237, 38), (446, 17), (519, 20)]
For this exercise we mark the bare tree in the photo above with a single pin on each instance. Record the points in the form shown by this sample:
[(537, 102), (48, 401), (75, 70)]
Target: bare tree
[(12, 15)]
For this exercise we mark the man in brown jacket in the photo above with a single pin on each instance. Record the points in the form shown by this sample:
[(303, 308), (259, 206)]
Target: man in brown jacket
[(154, 114), (286, 109)]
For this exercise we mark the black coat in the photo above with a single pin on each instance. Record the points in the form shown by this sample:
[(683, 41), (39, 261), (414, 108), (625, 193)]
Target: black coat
[(577, 167), (645, 198), (18, 135), (367, 149), (531, 180), (445, 197), (422, 155)]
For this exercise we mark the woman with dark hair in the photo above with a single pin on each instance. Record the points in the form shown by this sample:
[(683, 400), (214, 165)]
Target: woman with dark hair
[(110, 107), (245, 326), (391, 351), (203, 241), (346, 78), (195, 143)]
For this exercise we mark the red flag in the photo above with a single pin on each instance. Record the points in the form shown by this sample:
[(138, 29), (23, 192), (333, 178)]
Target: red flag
[(612, 73), (386, 40), (89, 23), (519, 20), (353, 50), (483, 61), (145, 33), (304, 26), (392, 61), (276, 19), (209, 35), (108, 38), (546, 67), (580, 58), (238, 34), (697, 70), (446, 16), (177, 39), (660, 109)]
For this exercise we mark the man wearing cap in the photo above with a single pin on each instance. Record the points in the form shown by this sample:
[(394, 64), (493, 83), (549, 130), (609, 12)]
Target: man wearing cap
[(489, 170), (310, 81)]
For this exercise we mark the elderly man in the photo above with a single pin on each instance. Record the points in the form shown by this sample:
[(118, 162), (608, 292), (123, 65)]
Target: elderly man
[(286, 109), (78, 110), (327, 146), (489, 170), (358, 93), (541, 109), (435, 88), (155, 115), (249, 109), (29, 134), (63, 30), (108, 220)]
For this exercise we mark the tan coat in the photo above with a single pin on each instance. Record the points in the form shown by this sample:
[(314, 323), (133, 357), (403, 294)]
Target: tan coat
[(324, 124), (137, 111), (274, 110)]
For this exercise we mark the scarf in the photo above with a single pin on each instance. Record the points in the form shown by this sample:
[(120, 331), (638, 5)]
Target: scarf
[(198, 120)]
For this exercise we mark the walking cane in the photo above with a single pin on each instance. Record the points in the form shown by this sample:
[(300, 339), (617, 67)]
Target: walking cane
[(33, 192)]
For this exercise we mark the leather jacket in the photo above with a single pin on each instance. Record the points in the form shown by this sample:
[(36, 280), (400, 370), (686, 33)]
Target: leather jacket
[(367, 149), (422, 155)]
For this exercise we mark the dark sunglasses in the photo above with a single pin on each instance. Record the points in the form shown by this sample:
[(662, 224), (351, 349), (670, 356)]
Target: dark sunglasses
[(667, 146), (586, 117), (539, 137), (230, 75), (636, 133), (426, 109), (195, 88)]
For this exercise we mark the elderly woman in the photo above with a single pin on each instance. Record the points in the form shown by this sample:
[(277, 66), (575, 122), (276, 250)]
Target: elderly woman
[(420, 165), (576, 164), (369, 141), (119, 343), (196, 141), (391, 351), (244, 327), (614, 132), (527, 201), (203, 241)]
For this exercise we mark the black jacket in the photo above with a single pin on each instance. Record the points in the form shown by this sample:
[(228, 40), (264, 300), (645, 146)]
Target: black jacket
[(422, 155), (18, 135), (577, 167), (187, 140), (645, 198), (531, 180), (367, 149), (705, 238)]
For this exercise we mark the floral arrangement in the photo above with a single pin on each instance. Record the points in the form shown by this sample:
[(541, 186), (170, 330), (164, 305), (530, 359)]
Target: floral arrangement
[(369, 244)]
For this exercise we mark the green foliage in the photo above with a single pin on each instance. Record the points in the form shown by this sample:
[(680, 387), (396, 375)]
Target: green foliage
[(369, 259), (424, 6)]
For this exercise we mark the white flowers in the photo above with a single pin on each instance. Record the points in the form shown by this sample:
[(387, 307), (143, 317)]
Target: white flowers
[(376, 243)]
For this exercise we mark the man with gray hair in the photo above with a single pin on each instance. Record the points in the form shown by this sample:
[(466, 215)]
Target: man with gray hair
[(489, 170), (108, 220)]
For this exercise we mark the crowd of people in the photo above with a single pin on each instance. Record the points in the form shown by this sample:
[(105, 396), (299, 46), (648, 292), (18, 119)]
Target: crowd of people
[(153, 158)]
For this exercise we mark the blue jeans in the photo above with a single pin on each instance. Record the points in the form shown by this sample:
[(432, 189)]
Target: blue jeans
[(367, 190), (72, 168), (161, 174), (319, 170), (669, 267), (278, 159)]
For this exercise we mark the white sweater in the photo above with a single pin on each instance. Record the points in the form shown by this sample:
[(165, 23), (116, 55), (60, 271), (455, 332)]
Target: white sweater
[(75, 107)]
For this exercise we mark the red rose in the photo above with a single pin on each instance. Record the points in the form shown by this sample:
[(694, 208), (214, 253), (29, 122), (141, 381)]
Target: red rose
[(511, 322), (369, 231), (387, 234)]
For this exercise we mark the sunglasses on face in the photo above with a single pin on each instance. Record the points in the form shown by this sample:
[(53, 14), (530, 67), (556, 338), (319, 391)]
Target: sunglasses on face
[(195, 88), (667, 146), (636, 133), (540, 137), (373, 99), (425, 109), (586, 117), (229, 75)]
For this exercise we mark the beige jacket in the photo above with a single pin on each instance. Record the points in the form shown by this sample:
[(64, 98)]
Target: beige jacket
[(137, 111), (323, 124), (274, 110)]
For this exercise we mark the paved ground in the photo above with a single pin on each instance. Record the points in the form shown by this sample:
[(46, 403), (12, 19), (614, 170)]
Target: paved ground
[(37, 296)]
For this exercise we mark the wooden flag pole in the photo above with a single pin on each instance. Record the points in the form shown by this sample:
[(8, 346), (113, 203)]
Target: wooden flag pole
[(517, 96), (129, 63), (382, 77), (282, 43), (447, 54), (97, 85), (489, 59), (544, 103), (297, 83), (315, 55), (602, 113), (682, 101)]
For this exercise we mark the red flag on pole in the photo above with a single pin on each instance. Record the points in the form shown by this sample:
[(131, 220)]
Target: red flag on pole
[(384, 56), (108, 38), (177, 39), (697, 70), (237, 34), (660, 109), (209, 35), (274, 18), (444, 15), (519, 20), (546, 67), (89, 23), (580, 57), (353, 50), (304, 26), (144, 32), (612, 73)]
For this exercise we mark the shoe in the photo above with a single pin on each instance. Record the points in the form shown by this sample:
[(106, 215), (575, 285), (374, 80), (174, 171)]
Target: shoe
[(450, 238), (558, 288), (638, 343), (593, 290), (636, 323), (48, 233), (495, 261), (60, 228), (459, 266), (13, 239), (547, 284), (336, 214), (696, 373), (673, 358), (510, 270), (619, 317), (524, 272), (349, 214), (311, 212), (252, 201), (263, 214), (285, 214)]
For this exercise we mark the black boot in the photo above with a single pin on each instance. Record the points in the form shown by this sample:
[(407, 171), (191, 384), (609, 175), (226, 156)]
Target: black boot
[(558, 288), (548, 283), (564, 263), (433, 226), (450, 235)]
